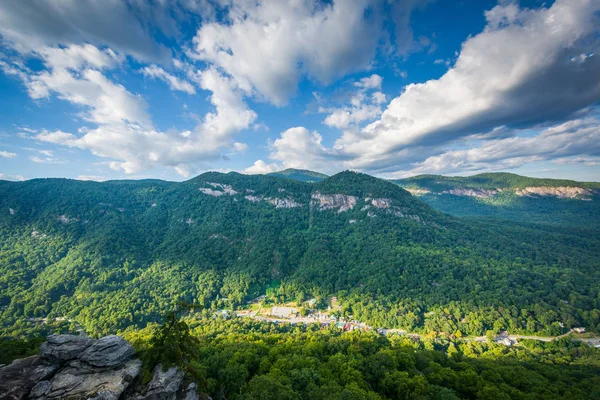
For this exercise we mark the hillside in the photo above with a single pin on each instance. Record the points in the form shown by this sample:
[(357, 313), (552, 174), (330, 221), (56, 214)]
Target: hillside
[(510, 196), (117, 254), (301, 175)]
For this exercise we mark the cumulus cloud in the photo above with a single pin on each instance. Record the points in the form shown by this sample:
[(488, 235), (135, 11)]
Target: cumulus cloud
[(124, 130), (362, 104), (517, 72), (523, 70), (300, 148), (48, 23), (175, 83), (261, 167), (565, 143), (267, 46)]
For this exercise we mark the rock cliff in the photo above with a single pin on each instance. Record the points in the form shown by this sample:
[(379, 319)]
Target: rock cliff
[(78, 368)]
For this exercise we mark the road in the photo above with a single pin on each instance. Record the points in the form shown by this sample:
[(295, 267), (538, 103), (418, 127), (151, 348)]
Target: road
[(593, 341)]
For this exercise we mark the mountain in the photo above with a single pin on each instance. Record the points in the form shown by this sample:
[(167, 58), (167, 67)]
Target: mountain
[(301, 175), (118, 254), (510, 196)]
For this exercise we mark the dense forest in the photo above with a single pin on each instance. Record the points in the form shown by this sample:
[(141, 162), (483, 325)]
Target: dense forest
[(506, 196), (238, 359), (116, 255)]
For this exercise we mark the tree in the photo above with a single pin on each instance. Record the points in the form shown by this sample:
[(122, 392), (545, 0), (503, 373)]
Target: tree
[(172, 344)]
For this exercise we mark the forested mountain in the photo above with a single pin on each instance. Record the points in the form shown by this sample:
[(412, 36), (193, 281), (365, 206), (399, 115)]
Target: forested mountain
[(118, 254), (510, 196), (301, 175)]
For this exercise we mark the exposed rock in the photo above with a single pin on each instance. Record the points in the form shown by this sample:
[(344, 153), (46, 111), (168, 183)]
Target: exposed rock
[(381, 203), (254, 199), (330, 201), (36, 234), (82, 381), (60, 348), (211, 192), (562, 192), (18, 378), (109, 351), (41, 389), (78, 368), (65, 220), (277, 202), (191, 393), (164, 384), (479, 193), (282, 203), (225, 188)]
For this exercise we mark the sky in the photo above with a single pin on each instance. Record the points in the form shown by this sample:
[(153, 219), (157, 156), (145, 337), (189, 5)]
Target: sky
[(169, 89)]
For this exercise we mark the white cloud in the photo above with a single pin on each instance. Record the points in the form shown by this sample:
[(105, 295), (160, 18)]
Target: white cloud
[(268, 45), (8, 177), (299, 148), (260, 167), (48, 23), (78, 56), (47, 160), (562, 142), (363, 106), (124, 130), (7, 154), (515, 72), (95, 178), (370, 82), (174, 82)]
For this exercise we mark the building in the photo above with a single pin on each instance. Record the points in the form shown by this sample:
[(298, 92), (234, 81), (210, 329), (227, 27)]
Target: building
[(283, 312)]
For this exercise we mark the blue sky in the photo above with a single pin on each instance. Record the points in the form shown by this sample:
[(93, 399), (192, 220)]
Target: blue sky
[(169, 89)]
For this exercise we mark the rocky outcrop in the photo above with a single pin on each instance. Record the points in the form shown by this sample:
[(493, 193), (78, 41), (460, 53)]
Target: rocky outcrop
[(562, 192), (342, 202), (479, 193), (165, 384), (221, 189), (381, 203), (283, 203), (21, 376), (77, 368), (417, 192), (277, 202)]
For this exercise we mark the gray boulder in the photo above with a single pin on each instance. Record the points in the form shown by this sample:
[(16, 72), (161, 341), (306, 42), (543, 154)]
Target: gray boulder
[(164, 384), (64, 347), (110, 351), (18, 378), (79, 381), (191, 393)]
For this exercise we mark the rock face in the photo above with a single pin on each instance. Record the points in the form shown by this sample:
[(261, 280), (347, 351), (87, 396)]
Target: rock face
[(164, 384), (480, 193), (342, 202), (561, 192), (77, 368)]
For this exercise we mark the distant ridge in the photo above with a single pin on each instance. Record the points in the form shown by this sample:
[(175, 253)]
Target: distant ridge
[(491, 180), (302, 175)]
